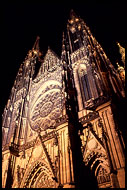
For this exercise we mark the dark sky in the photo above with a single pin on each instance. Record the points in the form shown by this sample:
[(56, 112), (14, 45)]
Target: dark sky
[(22, 22)]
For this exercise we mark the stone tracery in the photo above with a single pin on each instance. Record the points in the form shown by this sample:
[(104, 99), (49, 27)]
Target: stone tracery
[(43, 109), (47, 109), (39, 176)]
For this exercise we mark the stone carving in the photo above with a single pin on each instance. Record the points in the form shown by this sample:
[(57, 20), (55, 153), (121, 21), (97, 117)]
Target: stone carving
[(20, 93), (20, 173), (39, 177), (51, 64), (45, 182), (92, 144), (47, 109), (103, 176)]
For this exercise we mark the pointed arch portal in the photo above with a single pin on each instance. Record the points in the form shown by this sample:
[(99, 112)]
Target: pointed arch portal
[(38, 175), (100, 168)]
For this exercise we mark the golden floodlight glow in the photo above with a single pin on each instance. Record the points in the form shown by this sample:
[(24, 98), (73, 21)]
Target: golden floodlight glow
[(35, 52), (76, 19), (61, 107), (79, 26), (30, 53), (72, 29), (71, 21)]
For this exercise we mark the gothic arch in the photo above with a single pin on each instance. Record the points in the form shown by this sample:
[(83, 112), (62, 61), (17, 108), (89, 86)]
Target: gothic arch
[(102, 174), (80, 70), (81, 67), (99, 166), (88, 87), (102, 165), (38, 175)]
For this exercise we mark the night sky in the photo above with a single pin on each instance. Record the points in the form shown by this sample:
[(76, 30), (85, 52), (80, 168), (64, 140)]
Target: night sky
[(23, 22)]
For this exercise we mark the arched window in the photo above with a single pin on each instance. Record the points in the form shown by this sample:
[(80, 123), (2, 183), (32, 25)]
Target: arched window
[(76, 41), (86, 87), (84, 84), (103, 178)]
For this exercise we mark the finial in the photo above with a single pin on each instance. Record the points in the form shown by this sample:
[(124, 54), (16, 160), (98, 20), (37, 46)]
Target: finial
[(49, 49), (73, 17), (118, 65), (71, 12), (122, 52), (118, 43)]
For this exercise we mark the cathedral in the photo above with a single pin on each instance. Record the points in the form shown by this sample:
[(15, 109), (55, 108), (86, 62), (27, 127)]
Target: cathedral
[(62, 126)]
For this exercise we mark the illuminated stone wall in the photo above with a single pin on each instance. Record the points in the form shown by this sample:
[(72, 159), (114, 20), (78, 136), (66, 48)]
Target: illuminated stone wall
[(36, 145)]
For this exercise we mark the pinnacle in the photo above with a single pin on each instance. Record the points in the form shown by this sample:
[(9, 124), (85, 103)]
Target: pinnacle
[(72, 14), (72, 11), (36, 44), (49, 49)]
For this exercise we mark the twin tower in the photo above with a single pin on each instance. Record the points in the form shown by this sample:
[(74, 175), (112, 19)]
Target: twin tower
[(62, 122)]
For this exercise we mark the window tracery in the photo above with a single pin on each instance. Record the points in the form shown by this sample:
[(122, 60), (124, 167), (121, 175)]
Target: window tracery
[(84, 83), (103, 176)]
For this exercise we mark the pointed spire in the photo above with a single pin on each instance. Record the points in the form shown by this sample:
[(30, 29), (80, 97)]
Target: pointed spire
[(73, 14), (36, 44), (73, 17), (49, 49), (35, 50)]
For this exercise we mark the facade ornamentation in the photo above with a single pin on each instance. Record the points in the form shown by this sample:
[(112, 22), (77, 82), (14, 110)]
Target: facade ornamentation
[(59, 125)]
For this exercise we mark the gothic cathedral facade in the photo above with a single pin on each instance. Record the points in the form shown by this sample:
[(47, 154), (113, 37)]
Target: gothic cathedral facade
[(61, 125)]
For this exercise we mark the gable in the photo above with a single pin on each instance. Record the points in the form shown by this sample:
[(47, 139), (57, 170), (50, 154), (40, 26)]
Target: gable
[(50, 62)]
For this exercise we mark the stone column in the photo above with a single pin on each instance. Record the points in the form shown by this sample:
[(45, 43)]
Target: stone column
[(66, 165), (80, 104), (115, 150)]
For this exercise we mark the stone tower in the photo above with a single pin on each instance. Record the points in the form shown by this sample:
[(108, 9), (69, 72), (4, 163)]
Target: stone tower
[(61, 122)]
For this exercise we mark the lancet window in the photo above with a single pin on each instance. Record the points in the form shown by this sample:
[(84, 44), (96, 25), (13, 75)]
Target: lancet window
[(84, 84)]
